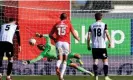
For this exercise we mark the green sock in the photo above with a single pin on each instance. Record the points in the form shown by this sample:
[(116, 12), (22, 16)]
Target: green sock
[(83, 70)]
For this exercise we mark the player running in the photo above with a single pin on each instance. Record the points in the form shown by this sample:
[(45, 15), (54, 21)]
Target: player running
[(49, 51), (98, 31), (62, 29)]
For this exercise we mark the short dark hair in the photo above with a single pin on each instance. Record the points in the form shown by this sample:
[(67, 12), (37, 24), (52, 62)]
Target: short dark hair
[(98, 16), (63, 16), (8, 20), (11, 19)]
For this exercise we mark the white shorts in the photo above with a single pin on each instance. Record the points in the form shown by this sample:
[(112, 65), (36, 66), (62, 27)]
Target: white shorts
[(62, 48)]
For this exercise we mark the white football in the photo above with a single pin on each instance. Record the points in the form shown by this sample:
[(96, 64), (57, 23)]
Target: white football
[(32, 41)]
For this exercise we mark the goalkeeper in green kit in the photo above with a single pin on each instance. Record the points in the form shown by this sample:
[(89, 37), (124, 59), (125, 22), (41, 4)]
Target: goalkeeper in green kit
[(49, 51)]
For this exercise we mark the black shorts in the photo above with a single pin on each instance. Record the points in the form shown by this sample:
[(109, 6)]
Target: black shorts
[(6, 47), (99, 53)]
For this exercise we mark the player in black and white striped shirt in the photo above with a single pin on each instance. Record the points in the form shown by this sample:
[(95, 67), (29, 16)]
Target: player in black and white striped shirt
[(7, 32), (98, 32)]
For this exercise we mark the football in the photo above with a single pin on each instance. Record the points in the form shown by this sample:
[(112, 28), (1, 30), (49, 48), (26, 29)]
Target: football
[(32, 41)]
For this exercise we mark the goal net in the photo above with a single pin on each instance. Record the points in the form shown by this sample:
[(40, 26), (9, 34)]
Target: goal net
[(40, 16)]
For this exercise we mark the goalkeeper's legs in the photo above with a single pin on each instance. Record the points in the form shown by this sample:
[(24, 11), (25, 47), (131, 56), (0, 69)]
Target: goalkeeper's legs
[(74, 65)]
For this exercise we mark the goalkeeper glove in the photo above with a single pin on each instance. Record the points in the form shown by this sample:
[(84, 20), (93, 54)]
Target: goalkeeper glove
[(39, 35)]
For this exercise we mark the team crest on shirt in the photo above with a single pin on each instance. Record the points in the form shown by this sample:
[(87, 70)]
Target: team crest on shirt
[(104, 55), (9, 53)]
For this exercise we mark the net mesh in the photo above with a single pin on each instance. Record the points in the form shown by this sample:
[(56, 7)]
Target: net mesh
[(40, 16)]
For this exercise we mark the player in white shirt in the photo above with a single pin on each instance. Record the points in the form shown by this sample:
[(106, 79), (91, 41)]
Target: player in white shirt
[(98, 32), (7, 32)]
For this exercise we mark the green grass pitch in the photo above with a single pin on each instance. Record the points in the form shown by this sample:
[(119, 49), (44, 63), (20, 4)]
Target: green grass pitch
[(68, 78)]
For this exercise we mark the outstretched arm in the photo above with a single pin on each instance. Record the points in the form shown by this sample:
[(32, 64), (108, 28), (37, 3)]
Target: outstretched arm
[(108, 36), (46, 36), (18, 37), (88, 39), (41, 56), (74, 33), (36, 59), (33, 60)]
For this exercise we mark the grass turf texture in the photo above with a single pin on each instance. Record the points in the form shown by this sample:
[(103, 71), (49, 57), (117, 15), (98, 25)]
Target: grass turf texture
[(68, 78)]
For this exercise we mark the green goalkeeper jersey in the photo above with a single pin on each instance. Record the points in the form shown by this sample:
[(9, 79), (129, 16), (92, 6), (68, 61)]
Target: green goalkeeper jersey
[(50, 50)]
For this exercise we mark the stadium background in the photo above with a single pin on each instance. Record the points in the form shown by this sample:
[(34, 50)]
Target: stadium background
[(39, 16)]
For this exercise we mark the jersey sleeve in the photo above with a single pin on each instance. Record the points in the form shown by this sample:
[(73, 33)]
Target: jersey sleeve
[(89, 29), (41, 56), (105, 27), (18, 35), (36, 59), (46, 36)]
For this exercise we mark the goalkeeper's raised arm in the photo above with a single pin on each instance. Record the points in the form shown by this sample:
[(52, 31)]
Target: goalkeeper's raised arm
[(46, 36), (48, 50)]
